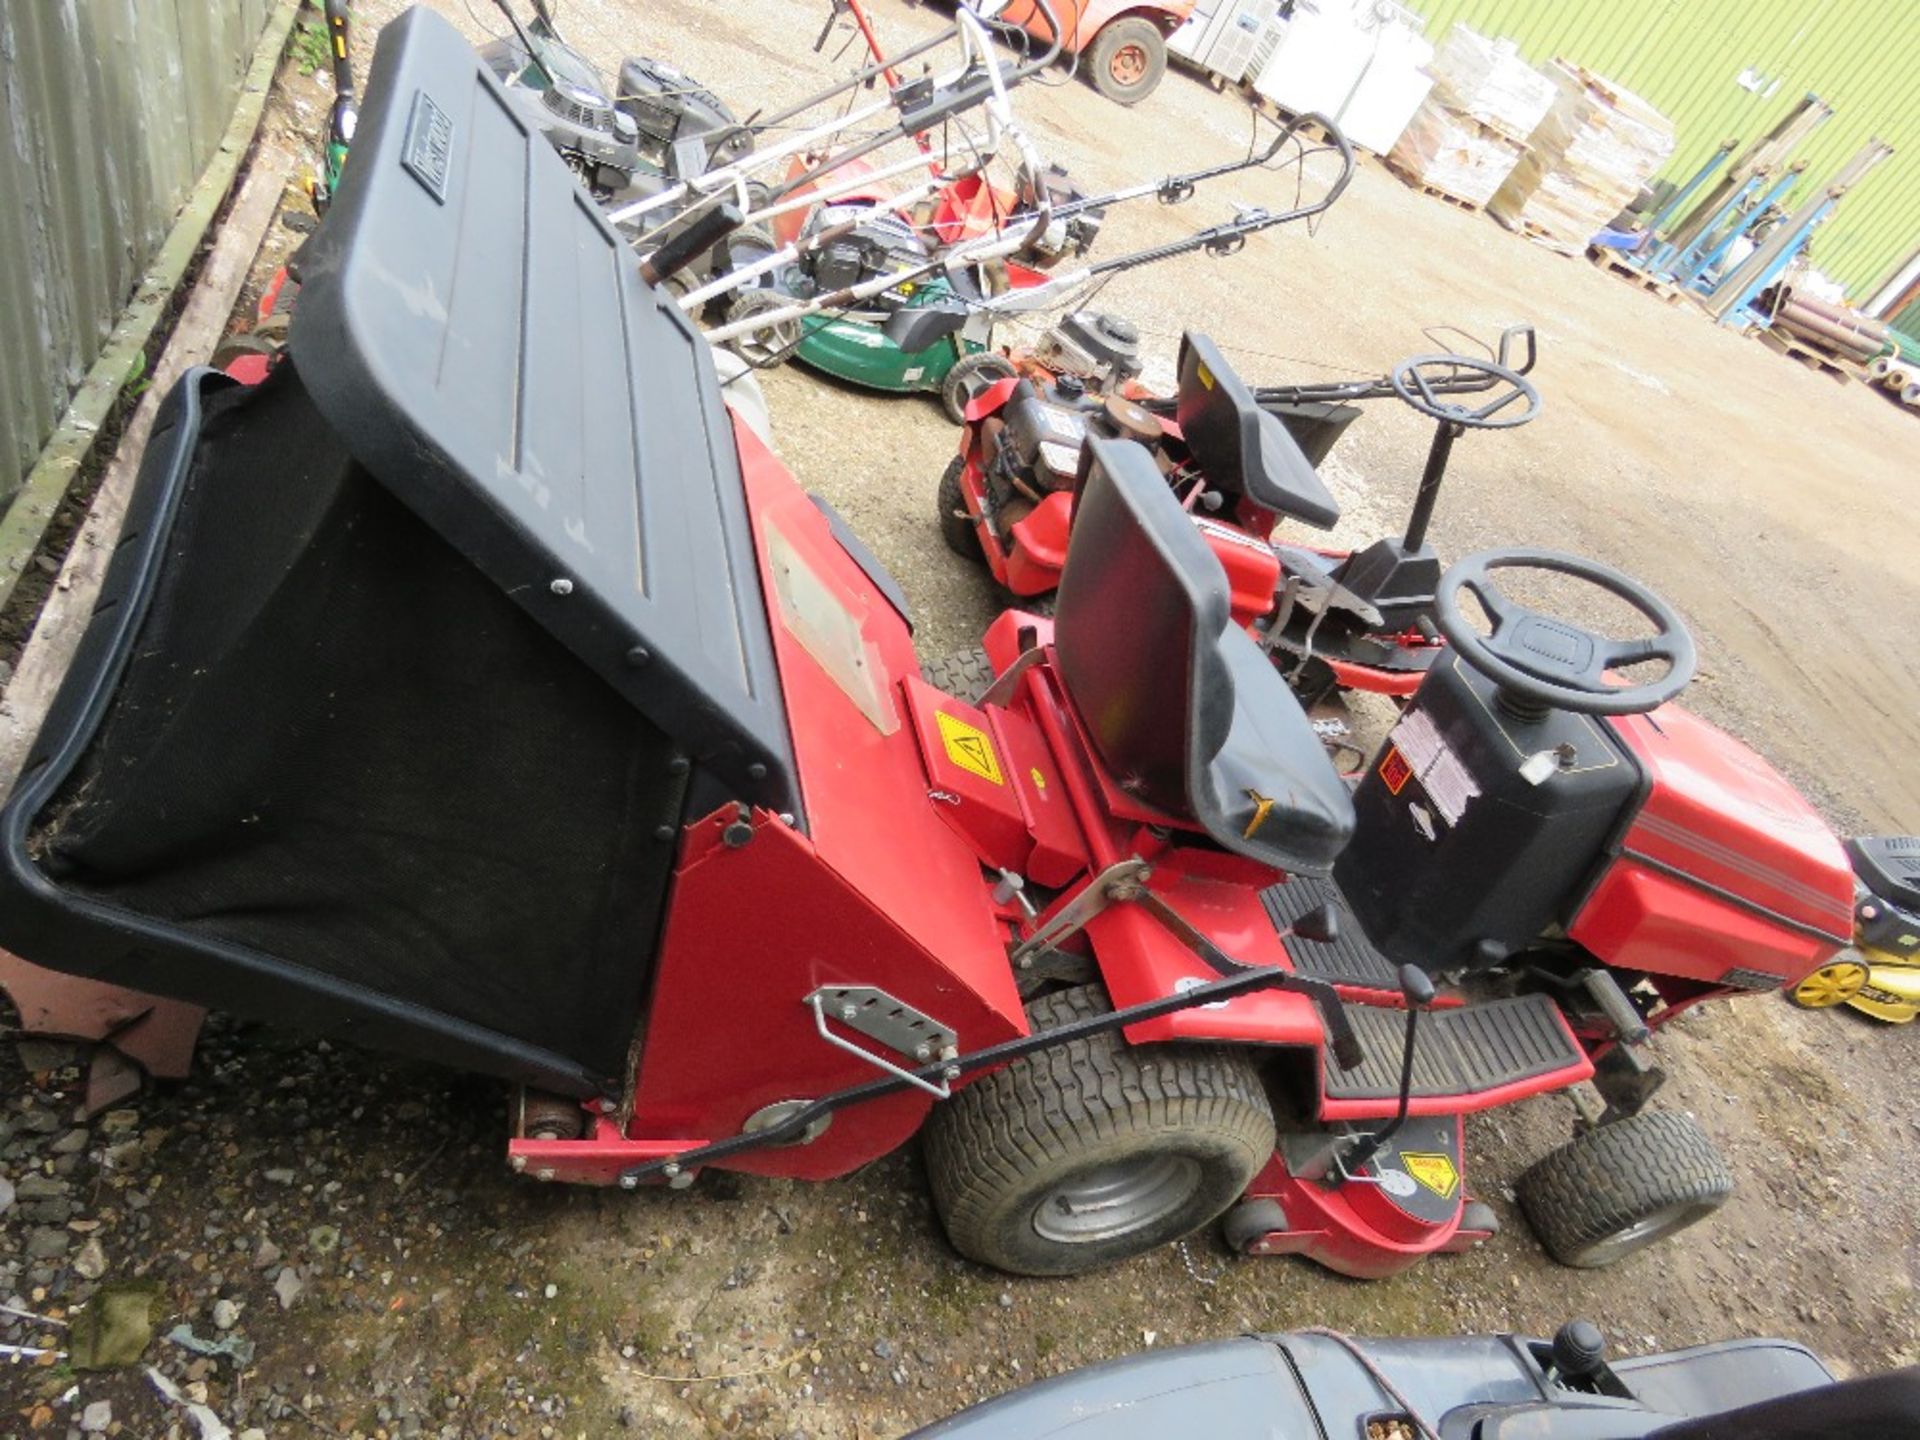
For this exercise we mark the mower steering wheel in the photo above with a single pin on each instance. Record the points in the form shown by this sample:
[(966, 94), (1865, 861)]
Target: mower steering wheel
[(1425, 381), (1553, 662)]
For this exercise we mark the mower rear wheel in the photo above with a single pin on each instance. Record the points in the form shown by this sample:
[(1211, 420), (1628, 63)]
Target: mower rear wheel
[(956, 521), (1095, 1150), (965, 676), (1834, 983), (1127, 60), (969, 376), (771, 344), (1617, 1189)]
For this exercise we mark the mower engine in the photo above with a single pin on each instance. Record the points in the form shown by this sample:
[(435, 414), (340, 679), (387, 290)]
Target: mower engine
[(1034, 445), (879, 243), (1065, 237), (680, 122), (572, 110), (1103, 351)]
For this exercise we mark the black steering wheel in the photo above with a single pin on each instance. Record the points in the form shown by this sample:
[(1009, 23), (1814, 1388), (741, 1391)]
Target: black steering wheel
[(1554, 662), (1426, 381)]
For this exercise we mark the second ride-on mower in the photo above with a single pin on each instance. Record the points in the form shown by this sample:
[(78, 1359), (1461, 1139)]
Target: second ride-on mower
[(1243, 461), (474, 686)]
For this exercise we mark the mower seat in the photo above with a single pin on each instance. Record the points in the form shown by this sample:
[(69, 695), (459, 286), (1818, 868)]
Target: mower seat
[(1240, 448), (1184, 709)]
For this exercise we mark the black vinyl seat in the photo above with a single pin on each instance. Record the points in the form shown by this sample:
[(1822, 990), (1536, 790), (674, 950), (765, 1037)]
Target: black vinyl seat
[(1185, 710), (1240, 448)]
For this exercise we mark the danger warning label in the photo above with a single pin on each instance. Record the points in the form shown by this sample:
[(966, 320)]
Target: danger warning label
[(1435, 1171), (1395, 770), (968, 747)]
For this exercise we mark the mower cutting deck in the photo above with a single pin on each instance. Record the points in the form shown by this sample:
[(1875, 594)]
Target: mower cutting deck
[(478, 687)]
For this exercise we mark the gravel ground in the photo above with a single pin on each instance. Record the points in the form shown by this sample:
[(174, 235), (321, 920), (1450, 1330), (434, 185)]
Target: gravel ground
[(348, 1217)]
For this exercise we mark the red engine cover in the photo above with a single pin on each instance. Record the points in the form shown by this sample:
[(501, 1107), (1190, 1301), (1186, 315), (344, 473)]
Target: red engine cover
[(1727, 874)]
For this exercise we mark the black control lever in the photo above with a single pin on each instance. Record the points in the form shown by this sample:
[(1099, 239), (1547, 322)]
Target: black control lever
[(1417, 988), (690, 244), (1321, 926)]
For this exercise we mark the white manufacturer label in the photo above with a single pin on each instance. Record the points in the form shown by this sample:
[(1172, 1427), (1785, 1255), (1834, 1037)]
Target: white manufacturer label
[(1397, 1182), (1437, 768)]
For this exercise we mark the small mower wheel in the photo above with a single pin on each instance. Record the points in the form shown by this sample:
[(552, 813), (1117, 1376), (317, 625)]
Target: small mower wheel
[(1127, 59), (1095, 1150), (1834, 983), (1614, 1190), (970, 375), (965, 676), (956, 521), (764, 348)]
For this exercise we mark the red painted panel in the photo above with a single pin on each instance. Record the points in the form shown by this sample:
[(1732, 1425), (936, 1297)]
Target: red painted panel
[(974, 787), (751, 932), (1720, 813), (1039, 548), (1640, 919)]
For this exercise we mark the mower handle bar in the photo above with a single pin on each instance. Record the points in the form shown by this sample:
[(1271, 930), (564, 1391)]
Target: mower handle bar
[(709, 188)]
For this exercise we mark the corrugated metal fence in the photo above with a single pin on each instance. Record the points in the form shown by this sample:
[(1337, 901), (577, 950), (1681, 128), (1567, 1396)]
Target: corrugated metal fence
[(1725, 68), (109, 110)]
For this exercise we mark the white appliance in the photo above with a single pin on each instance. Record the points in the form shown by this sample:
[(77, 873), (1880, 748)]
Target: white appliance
[(1359, 62), (1221, 35), (1184, 40)]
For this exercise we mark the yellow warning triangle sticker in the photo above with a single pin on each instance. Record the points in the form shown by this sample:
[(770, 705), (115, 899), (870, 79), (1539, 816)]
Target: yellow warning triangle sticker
[(1437, 1172), (968, 747)]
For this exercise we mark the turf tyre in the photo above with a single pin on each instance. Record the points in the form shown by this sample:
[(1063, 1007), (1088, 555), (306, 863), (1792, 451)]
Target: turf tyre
[(1005, 1150), (956, 521), (965, 676), (1616, 1189)]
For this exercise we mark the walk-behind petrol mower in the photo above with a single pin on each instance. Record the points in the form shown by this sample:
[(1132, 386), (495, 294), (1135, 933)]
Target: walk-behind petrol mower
[(885, 344), (476, 687), (1314, 1384), (1241, 461), (1880, 974)]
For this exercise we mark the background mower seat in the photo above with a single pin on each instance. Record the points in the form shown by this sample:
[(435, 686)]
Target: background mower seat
[(1185, 710), (1240, 448)]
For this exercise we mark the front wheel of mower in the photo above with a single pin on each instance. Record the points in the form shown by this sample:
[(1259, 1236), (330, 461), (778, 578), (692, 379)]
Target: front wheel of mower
[(1127, 59), (956, 521), (1617, 1189), (965, 676), (1096, 1150), (969, 376)]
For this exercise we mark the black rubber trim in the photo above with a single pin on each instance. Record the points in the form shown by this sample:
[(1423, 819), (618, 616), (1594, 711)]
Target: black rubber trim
[(868, 562), (1463, 1051), (130, 949), (1349, 959)]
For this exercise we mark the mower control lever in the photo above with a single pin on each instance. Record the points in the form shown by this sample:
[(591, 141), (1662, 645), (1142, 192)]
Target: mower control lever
[(1416, 987)]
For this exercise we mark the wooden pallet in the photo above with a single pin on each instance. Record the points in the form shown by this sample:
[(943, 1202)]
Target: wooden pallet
[(1427, 187), (1814, 359), (1610, 261)]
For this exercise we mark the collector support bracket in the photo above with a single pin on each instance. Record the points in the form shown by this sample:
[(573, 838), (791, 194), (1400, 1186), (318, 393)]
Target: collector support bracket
[(1124, 882)]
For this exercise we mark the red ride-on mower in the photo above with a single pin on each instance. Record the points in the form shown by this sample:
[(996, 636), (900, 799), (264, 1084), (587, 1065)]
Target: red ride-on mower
[(1241, 460), (477, 687)]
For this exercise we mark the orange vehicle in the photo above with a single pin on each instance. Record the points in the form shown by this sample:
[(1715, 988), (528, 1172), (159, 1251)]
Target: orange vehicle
[(1121, 45)]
